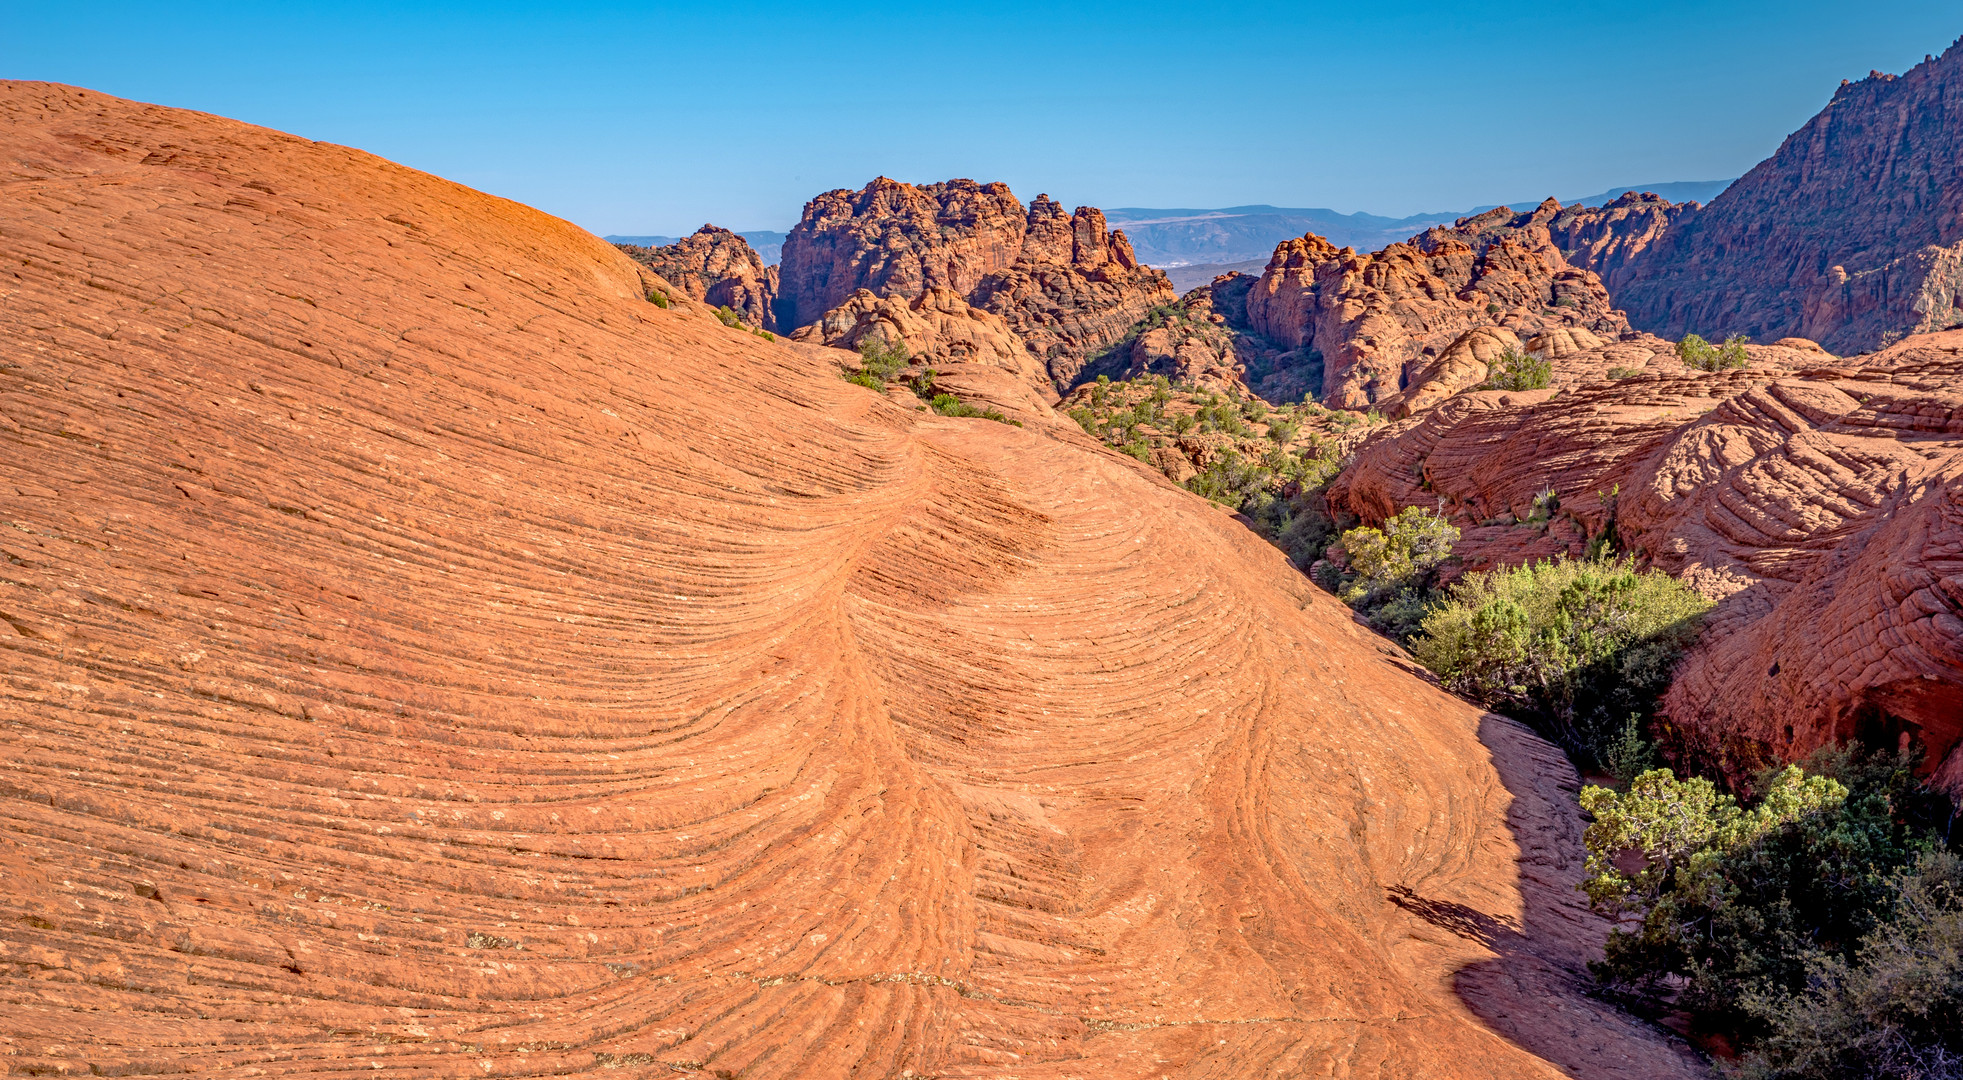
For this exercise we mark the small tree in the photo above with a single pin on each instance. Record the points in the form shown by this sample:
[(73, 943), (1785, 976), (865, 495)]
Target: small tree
[(879, 360), (1517, 370), (1695, 352)]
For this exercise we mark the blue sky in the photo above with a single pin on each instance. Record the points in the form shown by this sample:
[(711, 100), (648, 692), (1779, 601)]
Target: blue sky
[(652, 118)]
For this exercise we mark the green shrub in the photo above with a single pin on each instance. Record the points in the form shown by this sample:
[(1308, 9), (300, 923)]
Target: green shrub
[(1570, 647), (1394, 569), (878, 362), (728, 316), (1516, 370), (765, 334), (949, 405), (658, 298), (1620, 373), (1793, 926), (1695, 352), (1411, 543), (1894, 1012)]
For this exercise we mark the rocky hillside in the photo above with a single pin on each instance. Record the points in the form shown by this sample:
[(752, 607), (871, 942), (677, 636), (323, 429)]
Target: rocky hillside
[(1374, 321), (1817, 500), (719, 268), (1851, 234), (427, 657)]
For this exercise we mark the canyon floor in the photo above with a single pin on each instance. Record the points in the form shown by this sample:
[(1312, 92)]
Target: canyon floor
[(425, 657)]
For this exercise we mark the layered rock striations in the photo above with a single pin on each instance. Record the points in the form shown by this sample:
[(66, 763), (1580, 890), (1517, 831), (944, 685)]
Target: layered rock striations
[(1851, 234), (426, 657), (1817, 500), (720, 269), (1062, 282), (1376, 320)]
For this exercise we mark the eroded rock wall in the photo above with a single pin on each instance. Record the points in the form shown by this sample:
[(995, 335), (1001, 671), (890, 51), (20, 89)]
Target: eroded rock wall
[(1375, 321), (719, 268), (1849, 234), (1065, 285)]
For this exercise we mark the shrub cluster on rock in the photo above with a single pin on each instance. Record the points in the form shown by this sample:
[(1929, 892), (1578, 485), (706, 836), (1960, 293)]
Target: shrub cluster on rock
[(1695, 352), (1517, 370), (1393, 571), (1574, 647), (1270, 463), (1820, 930)]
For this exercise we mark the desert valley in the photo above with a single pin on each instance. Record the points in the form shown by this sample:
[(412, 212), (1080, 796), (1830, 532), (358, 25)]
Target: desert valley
[(438, 642)]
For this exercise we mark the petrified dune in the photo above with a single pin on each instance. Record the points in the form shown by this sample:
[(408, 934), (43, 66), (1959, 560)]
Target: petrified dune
[(1817, 500), (424, 657)]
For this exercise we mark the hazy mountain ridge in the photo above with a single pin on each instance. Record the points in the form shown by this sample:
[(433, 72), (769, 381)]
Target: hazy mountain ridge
[(1236, 234)]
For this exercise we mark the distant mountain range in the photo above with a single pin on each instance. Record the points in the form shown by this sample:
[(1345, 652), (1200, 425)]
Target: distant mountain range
[(1169, 238), (1193, 245)]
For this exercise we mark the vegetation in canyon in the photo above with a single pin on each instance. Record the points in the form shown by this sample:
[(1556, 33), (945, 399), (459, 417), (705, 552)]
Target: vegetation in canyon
[(1819, 931), (1269, 463), (1579, 648)]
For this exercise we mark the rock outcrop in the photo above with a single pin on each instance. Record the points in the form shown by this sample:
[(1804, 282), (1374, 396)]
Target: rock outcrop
[(719, 268), (1063, 283), (1819, 501), (1377, 320), (897, 239), (1614, 238), (426, 657), (1851, 234)]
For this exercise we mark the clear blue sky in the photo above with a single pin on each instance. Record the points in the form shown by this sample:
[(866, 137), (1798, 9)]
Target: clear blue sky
[(653, 118)]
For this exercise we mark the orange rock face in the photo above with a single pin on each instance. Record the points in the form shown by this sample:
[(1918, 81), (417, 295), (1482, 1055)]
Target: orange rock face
[(1817, 500), (1376, 321), (1851, 234), (720, 269), (425, 657), (1064, 285)]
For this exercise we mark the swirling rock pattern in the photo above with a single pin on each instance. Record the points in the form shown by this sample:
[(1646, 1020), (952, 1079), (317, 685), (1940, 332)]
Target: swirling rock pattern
[(425, 657), (1816, 499)]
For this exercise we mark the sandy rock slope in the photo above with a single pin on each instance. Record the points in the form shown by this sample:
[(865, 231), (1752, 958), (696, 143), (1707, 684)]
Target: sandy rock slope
[(421, 656)]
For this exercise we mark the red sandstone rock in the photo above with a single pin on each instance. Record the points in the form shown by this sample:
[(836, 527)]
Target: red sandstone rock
[(425, 657), (1851, 234), (1379, 320), (1817, 500), (720, 269), (1612, 239), (1064, 284)]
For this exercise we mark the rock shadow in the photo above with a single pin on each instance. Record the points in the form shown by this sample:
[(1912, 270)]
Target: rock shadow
[(1536, 991)]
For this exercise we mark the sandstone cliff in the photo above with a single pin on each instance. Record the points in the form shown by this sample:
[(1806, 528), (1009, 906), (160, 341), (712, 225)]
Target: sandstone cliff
[(1819, 501), (719, 268), (426, 657), (1851, 234), (1063, 283), (1376, 320)]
